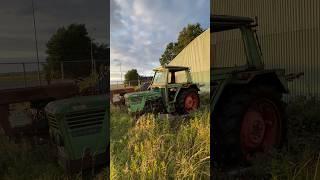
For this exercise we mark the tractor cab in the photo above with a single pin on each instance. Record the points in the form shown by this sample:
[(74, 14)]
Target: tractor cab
[(172, 75), (246, 26), (167, 88)]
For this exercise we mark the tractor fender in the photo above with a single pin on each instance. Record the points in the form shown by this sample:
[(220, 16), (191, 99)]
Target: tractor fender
[(195, 86), (266, 77), (189, 86), (271, 78)]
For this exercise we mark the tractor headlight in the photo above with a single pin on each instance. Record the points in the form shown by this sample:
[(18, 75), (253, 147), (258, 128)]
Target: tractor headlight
[(173, 89)]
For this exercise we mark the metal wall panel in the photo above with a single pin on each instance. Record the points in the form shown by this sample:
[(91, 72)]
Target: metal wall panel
[(289, 33), (197, 56)]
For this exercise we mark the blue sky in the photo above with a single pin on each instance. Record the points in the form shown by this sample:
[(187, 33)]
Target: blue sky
[(141, 29)]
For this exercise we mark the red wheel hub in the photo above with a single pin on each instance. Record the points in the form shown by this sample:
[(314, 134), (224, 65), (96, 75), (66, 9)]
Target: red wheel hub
[(191, 102), (261, 127)]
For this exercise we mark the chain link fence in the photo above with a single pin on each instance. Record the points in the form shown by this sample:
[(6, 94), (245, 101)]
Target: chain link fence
[(133, 83), (27, 74)]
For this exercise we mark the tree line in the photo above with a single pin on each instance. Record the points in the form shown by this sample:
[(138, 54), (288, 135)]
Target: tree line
[(72, 43)]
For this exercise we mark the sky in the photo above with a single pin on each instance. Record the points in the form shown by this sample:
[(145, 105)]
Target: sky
[(17, 33), (141, 29)]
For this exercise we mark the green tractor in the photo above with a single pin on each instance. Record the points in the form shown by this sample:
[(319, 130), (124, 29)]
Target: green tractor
[(246, 101), (172, 91)]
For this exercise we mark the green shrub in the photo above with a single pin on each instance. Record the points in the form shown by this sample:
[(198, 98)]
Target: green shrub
[(89, 82)]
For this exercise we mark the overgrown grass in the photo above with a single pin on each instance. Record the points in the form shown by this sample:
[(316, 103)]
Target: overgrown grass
[(25, 161), (160, 147)]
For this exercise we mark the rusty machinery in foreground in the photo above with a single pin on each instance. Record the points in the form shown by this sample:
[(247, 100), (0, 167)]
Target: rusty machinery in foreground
[(117, 94), (77, 125), (248, 113), (38, 97)]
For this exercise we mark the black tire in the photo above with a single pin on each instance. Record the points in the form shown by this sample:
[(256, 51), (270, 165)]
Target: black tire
[(228, 119), (180, 102)]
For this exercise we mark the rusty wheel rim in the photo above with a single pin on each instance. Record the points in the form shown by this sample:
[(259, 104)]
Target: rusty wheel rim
[(260, 128), (191, 102)]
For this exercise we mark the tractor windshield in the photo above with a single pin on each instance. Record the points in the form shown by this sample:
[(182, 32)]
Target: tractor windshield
[(159, 77)]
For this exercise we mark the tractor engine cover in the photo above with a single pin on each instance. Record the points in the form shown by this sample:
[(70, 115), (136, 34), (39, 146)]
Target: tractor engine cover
[(78, 127)]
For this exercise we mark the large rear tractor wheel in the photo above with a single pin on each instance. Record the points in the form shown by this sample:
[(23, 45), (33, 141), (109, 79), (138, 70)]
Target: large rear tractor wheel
[(188, 101), (248, 122)]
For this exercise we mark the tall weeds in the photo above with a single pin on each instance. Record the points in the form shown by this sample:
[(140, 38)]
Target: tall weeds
[(160, 148)]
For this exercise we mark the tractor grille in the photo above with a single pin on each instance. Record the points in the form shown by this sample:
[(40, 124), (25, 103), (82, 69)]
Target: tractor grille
[(85, 122), (52, 121)]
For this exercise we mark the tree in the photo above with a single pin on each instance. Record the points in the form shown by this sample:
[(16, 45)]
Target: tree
[(73, 44), (131, 77), (101, 55), (168, 54), (185, 37)]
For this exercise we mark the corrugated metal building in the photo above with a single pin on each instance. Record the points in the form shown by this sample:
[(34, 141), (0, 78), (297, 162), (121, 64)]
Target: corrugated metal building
[(289, 34), (197, 56)]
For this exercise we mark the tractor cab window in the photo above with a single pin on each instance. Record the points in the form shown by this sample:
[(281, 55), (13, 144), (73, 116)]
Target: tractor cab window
[(177, 77), (171, 78), (181, 77), (228, 49), (159, 77)]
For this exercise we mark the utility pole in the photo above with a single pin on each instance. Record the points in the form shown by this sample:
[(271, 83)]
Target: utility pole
[(92, 62), (121, 72), (36, 41)]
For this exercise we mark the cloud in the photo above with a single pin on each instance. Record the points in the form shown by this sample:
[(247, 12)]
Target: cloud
[(115, 15), (17, 33), (140, 29)]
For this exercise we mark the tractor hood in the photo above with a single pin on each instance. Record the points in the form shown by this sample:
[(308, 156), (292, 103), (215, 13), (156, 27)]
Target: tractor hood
[(142, 94), (136, 101), (80, 103)]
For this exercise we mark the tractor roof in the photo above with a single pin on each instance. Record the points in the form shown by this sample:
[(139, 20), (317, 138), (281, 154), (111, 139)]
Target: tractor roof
[(171, 68), (223, 22)]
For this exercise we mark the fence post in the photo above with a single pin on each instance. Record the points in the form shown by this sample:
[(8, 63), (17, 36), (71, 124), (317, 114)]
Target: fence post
[(24, 74), (62, 71)]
